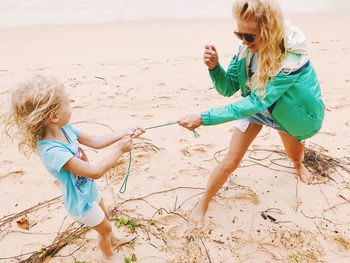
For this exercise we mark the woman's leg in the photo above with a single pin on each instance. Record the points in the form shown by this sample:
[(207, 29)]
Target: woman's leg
[(295, 151), (116, 242), (104, 229), (238, 147)]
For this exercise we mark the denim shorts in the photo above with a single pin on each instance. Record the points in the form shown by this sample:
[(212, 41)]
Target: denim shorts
[(262, 118), (94, 216)]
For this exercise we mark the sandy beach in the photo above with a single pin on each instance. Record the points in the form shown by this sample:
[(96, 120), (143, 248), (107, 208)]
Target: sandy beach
[(150, 73)]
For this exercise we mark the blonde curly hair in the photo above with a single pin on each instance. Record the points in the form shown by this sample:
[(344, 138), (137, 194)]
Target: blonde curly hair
[(31, 104), (268, 17)]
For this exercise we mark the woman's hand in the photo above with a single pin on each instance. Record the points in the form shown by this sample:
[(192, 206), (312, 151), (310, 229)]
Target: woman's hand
[(191, 122), (211, 57)]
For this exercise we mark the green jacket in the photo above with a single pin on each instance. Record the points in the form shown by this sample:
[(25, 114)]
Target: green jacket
[(293, 96)]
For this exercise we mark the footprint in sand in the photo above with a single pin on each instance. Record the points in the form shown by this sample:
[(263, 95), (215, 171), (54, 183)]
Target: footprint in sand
[(342, 106), (77, 107), (185, 152), (201, 148), (148, 116), (5, 92), (163, 97)]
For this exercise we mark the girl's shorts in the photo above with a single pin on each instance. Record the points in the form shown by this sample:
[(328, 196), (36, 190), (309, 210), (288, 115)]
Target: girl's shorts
[(94, 216), (262, 118)]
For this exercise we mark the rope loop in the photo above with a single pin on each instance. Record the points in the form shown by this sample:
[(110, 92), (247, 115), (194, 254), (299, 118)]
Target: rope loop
[(125, 182)]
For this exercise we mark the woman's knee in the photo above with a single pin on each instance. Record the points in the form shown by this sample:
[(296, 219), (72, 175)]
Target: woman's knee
[(229, 165), (297, 159)]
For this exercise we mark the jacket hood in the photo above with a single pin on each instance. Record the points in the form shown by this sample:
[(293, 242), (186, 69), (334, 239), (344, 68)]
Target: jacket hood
[(297, 53)]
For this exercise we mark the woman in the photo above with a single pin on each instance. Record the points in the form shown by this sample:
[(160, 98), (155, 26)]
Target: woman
[(278, 85)]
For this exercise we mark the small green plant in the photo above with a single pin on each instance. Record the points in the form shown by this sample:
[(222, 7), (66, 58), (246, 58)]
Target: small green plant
[(132, 243), (122, 221), (126, 222), (152, 223), (132, 226), (295, 258), (79, 261), (41, 252), (128, 260)]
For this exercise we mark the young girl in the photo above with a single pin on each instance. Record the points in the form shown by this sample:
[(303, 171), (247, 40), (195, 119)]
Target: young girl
[(39, 119), (278, 84)]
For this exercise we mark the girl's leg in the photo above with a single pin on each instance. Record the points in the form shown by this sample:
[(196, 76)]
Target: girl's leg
[(238, 147), (104, 229), (295, 151), (102, 205), (116, 242)]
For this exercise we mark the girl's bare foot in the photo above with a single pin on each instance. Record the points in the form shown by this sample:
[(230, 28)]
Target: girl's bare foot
[(115, 258), (117, 242), (304, 174), (197, 215)]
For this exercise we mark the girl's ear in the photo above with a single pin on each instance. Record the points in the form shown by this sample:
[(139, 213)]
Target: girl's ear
[(53, 117)]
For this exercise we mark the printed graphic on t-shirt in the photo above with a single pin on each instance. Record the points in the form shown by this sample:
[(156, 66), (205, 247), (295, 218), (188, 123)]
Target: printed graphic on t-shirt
[(81, 180)]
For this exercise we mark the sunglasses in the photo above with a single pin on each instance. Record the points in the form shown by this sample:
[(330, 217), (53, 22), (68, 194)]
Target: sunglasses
[(248, 37)]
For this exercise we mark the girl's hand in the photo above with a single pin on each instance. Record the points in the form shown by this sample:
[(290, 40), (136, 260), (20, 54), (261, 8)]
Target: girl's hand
[(136, 132), (124, 144), (211, 57), (191, 122)]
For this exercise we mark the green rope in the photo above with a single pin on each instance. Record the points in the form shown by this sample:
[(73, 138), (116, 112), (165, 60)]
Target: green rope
[(158, 126), (123, 187), (196, 134), (125, 182)]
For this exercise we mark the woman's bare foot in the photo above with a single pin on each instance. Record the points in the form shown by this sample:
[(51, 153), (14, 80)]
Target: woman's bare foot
[(304, 174), (115, 258), (197, 215), (117, 242)]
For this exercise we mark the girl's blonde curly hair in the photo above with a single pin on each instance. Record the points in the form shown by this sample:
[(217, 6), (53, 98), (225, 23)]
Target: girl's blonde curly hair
[(267, 16), (31, 104)]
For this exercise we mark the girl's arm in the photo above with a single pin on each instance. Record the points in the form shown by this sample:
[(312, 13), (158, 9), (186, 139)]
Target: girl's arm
[(98, 142), (83, 168)]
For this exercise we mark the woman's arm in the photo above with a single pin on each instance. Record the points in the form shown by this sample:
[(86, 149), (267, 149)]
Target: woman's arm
[(226, 83), (83, 168), (98, 142), (251, 104)]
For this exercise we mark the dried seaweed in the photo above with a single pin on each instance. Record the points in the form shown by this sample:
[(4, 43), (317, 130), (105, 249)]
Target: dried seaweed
[(322, 164)]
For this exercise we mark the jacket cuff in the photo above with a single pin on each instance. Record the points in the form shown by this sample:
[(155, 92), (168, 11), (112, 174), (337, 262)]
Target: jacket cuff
[(205, 115), (215, 70)]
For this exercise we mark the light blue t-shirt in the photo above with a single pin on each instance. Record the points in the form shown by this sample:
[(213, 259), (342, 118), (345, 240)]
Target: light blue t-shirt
[(79, 192)]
